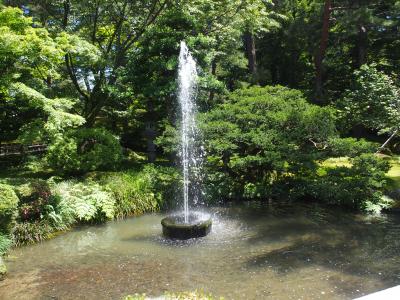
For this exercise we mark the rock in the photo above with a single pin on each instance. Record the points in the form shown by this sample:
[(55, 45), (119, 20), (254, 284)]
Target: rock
[(175, 229), (3, 269)]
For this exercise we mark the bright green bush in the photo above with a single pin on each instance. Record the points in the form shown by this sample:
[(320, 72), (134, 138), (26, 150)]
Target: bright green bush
[(133, 193), (84, 150), (8, 207)]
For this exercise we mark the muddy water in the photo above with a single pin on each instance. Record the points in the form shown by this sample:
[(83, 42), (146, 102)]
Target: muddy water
[(254, 252)]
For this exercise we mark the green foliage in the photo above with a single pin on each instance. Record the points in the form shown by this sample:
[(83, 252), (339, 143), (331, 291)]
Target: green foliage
[(37, 202), (31, 232), (351, 147), (5, 244), (85, 150), (141, 191), (25, 50), (358, 186), (133, 193), (373, 100), (87, 201), (259, 135), (30, 59), (196, 295), (8, 208), (56, 119)]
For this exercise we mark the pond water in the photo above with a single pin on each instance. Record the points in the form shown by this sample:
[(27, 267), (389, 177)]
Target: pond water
[(255, 251)]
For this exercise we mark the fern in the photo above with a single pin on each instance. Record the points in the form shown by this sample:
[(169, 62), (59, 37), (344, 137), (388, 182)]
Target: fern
[(88, 201)]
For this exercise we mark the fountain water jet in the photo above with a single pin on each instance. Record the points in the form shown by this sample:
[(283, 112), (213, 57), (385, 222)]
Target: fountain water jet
[(191, 224)]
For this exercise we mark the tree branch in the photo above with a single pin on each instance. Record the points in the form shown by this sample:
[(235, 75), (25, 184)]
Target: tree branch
[(150, 19), (387, 141), (72, 75)]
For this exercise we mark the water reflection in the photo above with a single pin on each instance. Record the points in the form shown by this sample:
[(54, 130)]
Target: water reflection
[(254, 251)]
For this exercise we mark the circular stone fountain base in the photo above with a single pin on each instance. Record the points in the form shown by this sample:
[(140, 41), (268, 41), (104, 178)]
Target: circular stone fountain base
[(175, 227)]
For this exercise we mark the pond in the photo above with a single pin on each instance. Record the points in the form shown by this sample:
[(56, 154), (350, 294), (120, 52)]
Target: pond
[(255, 251)]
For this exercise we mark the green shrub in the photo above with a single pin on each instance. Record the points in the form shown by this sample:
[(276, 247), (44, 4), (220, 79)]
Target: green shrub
[(85, 150), (5, 244), (86, 201), (259, 135), (133, 193), (351, 147), (142, 191), (358, 186), (166, 183), (31, 232), (8, 207), (36, 200)]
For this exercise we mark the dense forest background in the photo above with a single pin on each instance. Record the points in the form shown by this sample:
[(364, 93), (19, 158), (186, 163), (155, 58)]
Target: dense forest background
[(115, 62)]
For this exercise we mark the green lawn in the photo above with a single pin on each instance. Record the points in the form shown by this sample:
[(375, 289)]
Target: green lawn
[(393, 182)]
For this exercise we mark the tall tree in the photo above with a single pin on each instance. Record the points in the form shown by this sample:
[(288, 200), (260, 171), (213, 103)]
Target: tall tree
[(320, 55), (103, 28)]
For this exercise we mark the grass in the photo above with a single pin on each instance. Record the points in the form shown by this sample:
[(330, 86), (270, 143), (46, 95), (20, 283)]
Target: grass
[(336, 162), (393, 175)]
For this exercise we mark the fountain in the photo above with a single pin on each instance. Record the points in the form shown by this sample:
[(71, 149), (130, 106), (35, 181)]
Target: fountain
[(188, 224)]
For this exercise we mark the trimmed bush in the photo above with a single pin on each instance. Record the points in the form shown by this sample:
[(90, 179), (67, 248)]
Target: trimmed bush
[(259, 135), (84, 150), (8, 208)]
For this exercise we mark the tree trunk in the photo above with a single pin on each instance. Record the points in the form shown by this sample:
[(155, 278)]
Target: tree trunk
[(250, 48), (319, 57), (274, 73), (387, 141), (362, 45), (67, 8), (213, 72), (150, 133)]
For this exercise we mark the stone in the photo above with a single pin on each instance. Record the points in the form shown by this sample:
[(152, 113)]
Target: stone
[(174, 228)]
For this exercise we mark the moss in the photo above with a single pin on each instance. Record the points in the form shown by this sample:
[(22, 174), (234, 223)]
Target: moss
[(8, 207)]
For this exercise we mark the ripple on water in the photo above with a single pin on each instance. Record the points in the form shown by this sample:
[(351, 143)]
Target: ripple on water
[(255, 251)]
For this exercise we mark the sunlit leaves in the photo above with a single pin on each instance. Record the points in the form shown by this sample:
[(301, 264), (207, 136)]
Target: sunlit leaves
[(373, 100)]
